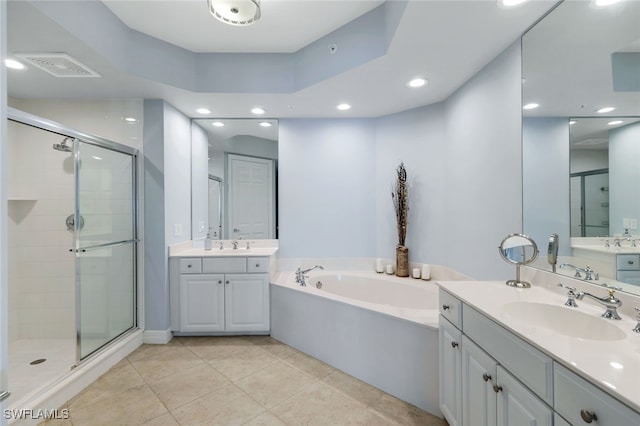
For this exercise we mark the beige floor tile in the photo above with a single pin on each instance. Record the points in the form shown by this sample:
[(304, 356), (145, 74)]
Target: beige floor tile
[(164, 420), (164, 363), (354, 388), (235, 361), (275, 384), (276, 348), (322, 405), (405, 413), (310, 365), (184, 386), (59, 421), (225, 406), (119, 378), (134, 406), (265, 419), (215, 340), (146, 350)]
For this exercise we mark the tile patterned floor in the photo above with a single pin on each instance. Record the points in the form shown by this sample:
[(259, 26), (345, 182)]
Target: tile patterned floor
[(233, 381)]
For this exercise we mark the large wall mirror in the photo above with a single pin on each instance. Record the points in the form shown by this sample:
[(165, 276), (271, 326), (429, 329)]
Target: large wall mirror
[(581, 144), (238, 185)]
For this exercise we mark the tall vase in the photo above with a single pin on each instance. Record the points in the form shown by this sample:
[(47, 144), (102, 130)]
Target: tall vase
[(402, 261)]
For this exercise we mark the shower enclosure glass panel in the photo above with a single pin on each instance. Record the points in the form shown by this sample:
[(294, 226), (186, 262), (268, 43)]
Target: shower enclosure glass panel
[(105, 245), (590, 204)]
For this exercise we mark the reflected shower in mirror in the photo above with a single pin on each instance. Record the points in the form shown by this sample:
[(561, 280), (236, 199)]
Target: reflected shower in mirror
[(241, 174), (581, 174)]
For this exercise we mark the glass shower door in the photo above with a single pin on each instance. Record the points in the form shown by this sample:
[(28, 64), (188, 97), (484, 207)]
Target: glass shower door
[(105, 231)]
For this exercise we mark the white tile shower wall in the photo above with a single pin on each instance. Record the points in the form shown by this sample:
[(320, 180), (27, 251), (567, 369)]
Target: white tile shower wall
[(41, 268)]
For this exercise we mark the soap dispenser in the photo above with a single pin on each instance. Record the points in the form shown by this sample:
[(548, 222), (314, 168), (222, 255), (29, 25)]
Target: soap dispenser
[(208, 244)]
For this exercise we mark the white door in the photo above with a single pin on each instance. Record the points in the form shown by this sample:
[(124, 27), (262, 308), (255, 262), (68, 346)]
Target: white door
[(517, 405), (247, 302), (251, 197)]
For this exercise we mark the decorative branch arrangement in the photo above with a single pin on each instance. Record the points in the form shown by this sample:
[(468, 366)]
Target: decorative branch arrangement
[(400, 196)]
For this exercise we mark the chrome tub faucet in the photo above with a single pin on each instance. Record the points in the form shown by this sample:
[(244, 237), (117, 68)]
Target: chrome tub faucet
[(300, 274)]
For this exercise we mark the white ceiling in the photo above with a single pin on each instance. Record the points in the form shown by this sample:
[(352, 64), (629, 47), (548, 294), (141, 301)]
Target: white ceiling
[(445, 41)]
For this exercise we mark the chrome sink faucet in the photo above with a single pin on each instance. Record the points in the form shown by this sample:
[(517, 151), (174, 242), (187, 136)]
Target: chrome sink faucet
[(571, 296), (235, 244), (610, 302), (589, 273), (300, 274)]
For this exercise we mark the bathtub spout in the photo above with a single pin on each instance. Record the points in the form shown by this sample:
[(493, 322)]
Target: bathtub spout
[(300, 274)]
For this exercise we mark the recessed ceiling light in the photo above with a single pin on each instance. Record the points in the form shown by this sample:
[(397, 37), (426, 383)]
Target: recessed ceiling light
[(531, 106), (257, 111), (614, 122), (510, 3), (217, 124), (95, 157), (130, 120), (616, 365), (572, 122), (343, 107), (13, 64), (605, 110), (603, 3), (203, 111), (265, 124), (417, 82)]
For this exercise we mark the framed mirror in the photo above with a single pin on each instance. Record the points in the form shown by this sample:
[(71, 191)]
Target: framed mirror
[(239, 179), (581, 125)]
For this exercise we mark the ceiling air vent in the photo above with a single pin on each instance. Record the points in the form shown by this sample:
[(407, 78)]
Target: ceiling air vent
[(58, 64)]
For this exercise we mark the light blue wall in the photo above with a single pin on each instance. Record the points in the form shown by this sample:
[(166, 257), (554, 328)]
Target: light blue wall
[(624, 176), (463, 158), (167, 201), (327, 188), (546, 207)]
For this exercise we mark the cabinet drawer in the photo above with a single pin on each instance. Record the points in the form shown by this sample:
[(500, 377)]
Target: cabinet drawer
[(451, 308), (531, 366), (629, 277), (191, 265), (257, 264), (224, 264), (628, 262), (573, 394), (559, 421)]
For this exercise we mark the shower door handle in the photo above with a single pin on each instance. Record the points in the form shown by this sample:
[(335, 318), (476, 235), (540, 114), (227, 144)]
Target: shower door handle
[(4, 395)]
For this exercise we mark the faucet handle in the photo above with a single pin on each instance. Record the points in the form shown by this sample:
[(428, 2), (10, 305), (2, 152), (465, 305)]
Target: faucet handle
[(571, 296), (609, 286), (637, 327), (568, 287)]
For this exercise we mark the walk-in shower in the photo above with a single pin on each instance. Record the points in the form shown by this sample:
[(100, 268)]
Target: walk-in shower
[(72, 240)]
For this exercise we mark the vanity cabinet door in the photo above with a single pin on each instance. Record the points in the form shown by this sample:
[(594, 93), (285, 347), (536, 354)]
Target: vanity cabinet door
[(450, 339), (247, 302), (478, 376), (517, 405), (201, 302)]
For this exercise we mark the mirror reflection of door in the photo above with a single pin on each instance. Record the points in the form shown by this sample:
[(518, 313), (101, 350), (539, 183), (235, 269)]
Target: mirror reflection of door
[(215, 207), (590, 204), (251, 187)]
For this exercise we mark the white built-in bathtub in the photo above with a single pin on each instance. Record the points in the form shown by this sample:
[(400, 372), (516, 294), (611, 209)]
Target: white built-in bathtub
[(379, 328)]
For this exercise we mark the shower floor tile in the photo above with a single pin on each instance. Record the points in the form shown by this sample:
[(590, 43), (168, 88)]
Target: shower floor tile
[(26, 379)]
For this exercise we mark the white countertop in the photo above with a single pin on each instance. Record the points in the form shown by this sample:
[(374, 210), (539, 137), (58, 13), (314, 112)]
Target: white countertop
[(215, 252), (613, 365), (607, 250)]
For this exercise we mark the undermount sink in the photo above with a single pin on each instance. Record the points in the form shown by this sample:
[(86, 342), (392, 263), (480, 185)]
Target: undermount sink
[(564, 320)]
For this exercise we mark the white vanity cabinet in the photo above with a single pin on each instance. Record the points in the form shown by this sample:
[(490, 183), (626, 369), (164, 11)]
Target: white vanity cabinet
[(475, 388), (628, 268), (219, 295)]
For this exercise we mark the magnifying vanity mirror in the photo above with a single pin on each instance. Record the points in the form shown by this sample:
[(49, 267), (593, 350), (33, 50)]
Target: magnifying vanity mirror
[(239, 179), (519, 250), (581, 157)]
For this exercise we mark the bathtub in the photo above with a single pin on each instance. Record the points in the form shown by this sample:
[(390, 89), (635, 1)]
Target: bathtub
[(381, 329)]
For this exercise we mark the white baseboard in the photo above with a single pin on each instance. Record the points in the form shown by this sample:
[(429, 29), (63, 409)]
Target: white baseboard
[(157, 337)]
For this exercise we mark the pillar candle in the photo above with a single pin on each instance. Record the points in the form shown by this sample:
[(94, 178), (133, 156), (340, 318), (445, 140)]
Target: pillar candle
[(426, 272), (379, 266), (416, 273)]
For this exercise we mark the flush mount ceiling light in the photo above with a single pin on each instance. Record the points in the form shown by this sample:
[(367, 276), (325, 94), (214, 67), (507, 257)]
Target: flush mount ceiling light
[(417, 82), (343, 107), (531, 106), (235, 12)]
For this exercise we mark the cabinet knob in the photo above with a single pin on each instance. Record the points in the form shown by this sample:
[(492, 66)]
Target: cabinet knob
[(588, 416), (227, 282), (445, 307), (630, 262), (486, 377), (219, 281), (189, 266), (454, 344), (497, 388), (257, 265)]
